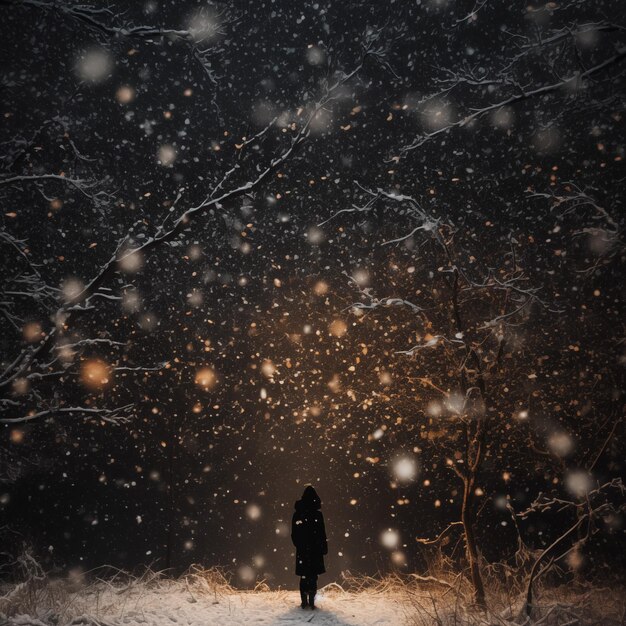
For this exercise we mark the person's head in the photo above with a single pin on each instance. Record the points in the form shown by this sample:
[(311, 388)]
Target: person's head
[(310, 498)]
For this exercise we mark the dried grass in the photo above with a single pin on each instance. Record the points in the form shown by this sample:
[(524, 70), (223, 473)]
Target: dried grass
[(441, 597), (85, 598)]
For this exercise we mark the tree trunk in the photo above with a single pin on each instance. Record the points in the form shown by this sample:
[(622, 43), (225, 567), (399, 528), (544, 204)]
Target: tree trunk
[(170, 502), (468, 518)]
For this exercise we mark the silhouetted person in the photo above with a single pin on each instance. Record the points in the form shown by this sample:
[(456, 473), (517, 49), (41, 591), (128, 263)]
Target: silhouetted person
[(309, 536)]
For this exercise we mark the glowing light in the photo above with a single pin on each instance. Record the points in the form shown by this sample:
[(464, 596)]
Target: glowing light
[(148, 322), (20, 386), (405, 468), (321, 121), (437, 114), (500, 502), (204, 25), (390, 538), (315, 235), (338, 328), (17, 436), (95, 373), (575, 559), (195, 298), (206, 378), (246, 574), (131, 301), (385, 378), (561, 444), (125, 94), (166, 155), (315, 55), (253, 511), (130, 261), (71, 288), (194, 252), (361, 277), (578, 483), (94, 65), (321, 288), (434, 409), (32, 332), (455, 402)]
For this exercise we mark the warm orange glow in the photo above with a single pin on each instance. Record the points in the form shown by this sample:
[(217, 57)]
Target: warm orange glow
[(321, 288), (32, 331), (206, 378), (17, 436), (338, 328), (95, 373), (268, 368)]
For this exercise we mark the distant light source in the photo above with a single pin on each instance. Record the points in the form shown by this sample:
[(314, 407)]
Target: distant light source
[(338, 328), (95, 373), (206, 378), (268, 368), (390, 538), (253, 511), (405, 468)]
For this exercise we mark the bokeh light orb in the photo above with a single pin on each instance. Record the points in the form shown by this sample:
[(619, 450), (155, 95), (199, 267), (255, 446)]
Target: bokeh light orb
[(95, 373), (268, 368), (561, 444), (125, 94), (204, 25), (253, 511), (246, 574), (405, 468), (390, 539), (315, 235), (338, 328), (315, 55), (321, 288), (166, 155), (94, 65), (71, 288), (32, 332), (578, 483), (206, 378), (130, 261)]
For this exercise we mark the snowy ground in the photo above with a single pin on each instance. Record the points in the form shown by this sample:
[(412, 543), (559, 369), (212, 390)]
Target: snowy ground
[(279, 608)]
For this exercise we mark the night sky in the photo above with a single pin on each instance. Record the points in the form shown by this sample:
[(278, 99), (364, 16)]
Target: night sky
[(258, 348)]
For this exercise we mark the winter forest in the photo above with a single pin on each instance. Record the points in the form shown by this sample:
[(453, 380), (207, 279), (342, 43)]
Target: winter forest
[(375, 246)]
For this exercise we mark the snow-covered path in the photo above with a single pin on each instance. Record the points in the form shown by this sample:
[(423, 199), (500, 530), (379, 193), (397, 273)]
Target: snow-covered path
[(278, 608)]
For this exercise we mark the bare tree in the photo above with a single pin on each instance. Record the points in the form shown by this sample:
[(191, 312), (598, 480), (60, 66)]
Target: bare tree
[(539, 64), (469, 306), (52, 352)]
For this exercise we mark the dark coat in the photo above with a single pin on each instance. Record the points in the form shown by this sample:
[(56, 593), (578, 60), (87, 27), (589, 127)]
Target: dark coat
[(309, 535)]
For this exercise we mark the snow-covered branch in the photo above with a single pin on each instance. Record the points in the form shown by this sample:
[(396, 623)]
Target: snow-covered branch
[(521, 93), (117, 415)]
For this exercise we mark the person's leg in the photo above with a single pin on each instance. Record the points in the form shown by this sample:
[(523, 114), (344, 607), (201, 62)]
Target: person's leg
[(303, 591), (312, 590)]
